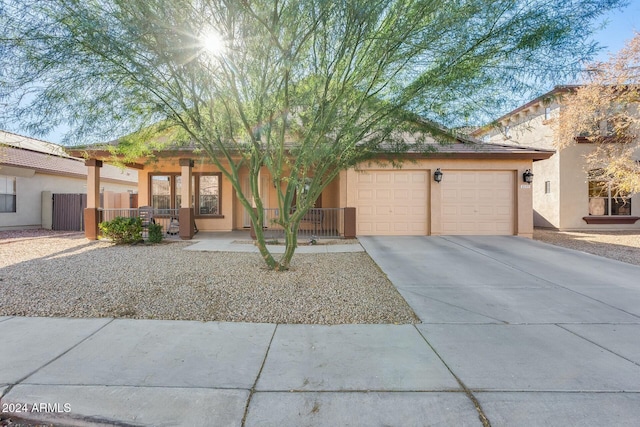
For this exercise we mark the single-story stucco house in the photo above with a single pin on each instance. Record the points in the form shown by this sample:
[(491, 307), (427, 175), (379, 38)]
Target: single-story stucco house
[(481, 191), (564, 197), (32, 170)]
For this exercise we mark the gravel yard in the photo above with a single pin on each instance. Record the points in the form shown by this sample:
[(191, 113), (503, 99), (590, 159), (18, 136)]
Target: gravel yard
[(619, 245), (65, 275)]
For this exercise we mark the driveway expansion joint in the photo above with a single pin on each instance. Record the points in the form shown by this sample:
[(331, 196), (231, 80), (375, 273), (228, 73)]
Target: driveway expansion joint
[(540, 278), (253, 387), (598, 345), (481, 415)]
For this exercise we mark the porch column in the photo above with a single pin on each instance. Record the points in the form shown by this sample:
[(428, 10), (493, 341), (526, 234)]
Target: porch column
[(91, 216), (349, 223), (186, 215)]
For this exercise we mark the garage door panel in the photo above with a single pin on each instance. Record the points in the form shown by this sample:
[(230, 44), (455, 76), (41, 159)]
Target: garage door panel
[(398, 205), (504, 211), (478, 202), (400, 178), (401, 196), (419, 194)]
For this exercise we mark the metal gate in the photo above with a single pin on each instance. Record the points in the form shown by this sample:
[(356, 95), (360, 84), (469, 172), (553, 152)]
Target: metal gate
[(68, 211)]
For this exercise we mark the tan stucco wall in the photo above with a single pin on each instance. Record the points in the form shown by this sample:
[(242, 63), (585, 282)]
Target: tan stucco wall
[(568, 202), (342, 191), (523, 216), (575, 193), (547, 205)]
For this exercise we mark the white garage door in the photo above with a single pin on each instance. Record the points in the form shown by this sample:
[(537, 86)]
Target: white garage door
[(391, 203), (478, 202)]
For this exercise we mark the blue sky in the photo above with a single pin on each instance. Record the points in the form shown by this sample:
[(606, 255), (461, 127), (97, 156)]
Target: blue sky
[(619, 26)]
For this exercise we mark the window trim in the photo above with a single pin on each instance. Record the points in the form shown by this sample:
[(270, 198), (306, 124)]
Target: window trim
[(14, 194), (196, 192), (196, 188), (609, 217)]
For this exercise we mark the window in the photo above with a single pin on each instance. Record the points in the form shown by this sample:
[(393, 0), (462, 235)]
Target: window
[(507, 132), (166, 192), (547, 113), (161, 186), (208, 189), (602, 203), (7, 194), (547, 187)]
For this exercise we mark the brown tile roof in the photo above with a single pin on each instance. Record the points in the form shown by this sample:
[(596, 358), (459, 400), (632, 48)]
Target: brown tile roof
[(51, 159), (464, 146)]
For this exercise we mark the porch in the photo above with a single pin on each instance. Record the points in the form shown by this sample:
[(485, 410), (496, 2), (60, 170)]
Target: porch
[(318, 223), (187, 197)]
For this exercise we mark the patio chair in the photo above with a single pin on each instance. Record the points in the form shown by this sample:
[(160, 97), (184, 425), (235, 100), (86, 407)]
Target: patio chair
[(174, 226)]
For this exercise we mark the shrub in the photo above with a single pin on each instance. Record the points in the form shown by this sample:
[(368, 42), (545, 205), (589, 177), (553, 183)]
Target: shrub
[(155, 233), (122, 230)]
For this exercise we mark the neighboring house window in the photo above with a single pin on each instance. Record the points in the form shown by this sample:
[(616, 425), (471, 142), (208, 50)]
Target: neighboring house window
[(601, 202), (607, 128), (507, 132), (547, 187), (547, 113), (7, 194), (166, 192)]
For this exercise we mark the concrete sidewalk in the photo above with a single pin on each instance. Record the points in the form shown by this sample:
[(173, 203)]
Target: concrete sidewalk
[(513, 330), (166, 373)]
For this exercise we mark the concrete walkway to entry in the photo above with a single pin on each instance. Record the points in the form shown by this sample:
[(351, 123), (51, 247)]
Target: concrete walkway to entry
[(240, 241), (513, 330)]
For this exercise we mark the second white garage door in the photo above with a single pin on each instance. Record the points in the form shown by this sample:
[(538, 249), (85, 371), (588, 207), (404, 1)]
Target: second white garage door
[(391, 203), (478, 202)]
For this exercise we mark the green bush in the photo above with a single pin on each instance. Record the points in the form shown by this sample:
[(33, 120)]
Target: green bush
[(122, 230), (155, 233)]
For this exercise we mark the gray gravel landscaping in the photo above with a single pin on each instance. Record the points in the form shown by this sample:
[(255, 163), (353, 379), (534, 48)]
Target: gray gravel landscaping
[(615, 244), (65, 275)]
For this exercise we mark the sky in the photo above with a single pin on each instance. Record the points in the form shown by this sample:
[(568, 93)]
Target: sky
[(619, 27)]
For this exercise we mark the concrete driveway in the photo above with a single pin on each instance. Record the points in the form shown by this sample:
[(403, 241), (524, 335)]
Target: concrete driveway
[(540, 335)]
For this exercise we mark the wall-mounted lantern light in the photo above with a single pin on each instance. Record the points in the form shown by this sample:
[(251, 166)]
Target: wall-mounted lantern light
[(527, 176), (437, 175)]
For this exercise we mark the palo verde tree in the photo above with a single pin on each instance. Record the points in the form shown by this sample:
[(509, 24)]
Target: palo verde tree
[(605, 111), (301, 88)]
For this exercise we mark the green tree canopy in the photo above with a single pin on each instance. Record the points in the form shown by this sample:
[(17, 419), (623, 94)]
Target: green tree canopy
[(304, 88)]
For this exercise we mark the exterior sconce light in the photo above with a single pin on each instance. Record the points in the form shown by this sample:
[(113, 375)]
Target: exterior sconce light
[(527, 176), (437, 175)]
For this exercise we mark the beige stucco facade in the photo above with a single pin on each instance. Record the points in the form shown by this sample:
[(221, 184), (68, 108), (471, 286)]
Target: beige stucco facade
[(482, 192), (436, 217), (560, 186), (424, 213)]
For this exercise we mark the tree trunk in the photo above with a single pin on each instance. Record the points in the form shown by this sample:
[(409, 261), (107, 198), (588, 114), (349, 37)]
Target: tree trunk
[(262, 244), (291, 243)]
